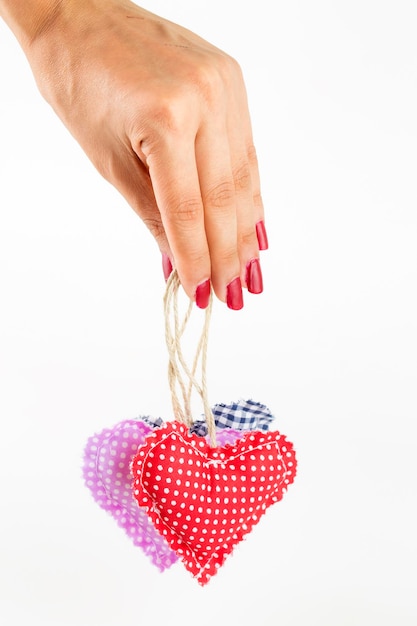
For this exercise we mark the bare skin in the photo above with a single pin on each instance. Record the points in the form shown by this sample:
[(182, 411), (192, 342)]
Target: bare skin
[(163, 116)]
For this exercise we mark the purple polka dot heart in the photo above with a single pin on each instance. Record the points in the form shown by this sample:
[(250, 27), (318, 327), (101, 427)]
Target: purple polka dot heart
[(106, 469)]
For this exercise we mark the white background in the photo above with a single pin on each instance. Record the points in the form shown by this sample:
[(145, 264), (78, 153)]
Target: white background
[(330, 346)]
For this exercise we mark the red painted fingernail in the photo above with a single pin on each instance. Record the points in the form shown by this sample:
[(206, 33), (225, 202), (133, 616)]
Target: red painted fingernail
[(254, 280), (202, 294), (234, 294), (261, 235), (166, 266)]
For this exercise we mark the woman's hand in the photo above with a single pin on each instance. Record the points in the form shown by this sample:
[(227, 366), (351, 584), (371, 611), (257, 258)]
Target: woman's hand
[(163, 116)]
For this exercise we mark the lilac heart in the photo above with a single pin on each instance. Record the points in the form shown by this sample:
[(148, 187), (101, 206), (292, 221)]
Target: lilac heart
[(107, 475)]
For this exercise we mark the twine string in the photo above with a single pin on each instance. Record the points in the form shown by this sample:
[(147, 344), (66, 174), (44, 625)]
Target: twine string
[(180, 375)]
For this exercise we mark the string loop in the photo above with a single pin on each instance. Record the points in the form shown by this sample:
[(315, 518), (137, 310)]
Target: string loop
[(181, 377)]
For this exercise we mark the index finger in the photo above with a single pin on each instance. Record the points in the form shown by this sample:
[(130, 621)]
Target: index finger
[(174, 175)]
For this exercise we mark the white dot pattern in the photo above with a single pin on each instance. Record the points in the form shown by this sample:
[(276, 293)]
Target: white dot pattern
[(106, 469), (107, 475), (204, 511)]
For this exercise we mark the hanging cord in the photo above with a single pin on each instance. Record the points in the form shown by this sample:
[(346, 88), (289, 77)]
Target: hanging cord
[(179, 373)]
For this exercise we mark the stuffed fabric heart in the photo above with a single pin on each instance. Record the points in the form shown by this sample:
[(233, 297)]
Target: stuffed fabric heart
[(241, 415), (108, 456), (106, 469), (204, 500)]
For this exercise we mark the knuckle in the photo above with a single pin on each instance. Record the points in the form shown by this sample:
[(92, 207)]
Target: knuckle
[(213, 80), (196, 259), (171, 113), (221, 195), (155, 227), (257, 201), (242, 177), (247, 238), (209, 84), (252, 157), (162, 120), (228, 66), (228, 257), (186, 211)]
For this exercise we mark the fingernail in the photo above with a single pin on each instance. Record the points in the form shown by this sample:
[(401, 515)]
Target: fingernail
[(166, 266), (234, 294), (254, 280), (261, 235), (202, 294)]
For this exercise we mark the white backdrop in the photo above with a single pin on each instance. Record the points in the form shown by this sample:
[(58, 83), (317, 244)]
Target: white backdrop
[(330, 346)]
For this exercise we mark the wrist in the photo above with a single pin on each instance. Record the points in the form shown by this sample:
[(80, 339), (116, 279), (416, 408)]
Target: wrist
[(32, 19), (28, 20)]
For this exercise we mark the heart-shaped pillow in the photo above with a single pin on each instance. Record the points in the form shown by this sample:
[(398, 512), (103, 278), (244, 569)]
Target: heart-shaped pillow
[(109, 453), (204, 500), (107, 459)]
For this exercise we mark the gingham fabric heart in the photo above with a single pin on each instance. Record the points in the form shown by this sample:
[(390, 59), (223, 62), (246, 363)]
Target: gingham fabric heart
[(204, 500), (109, 453)]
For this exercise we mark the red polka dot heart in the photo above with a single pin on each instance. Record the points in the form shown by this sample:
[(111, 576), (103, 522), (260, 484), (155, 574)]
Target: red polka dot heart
[(205, 499)]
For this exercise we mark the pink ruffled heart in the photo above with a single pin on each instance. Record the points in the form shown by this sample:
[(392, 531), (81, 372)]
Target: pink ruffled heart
[(204, 500)]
